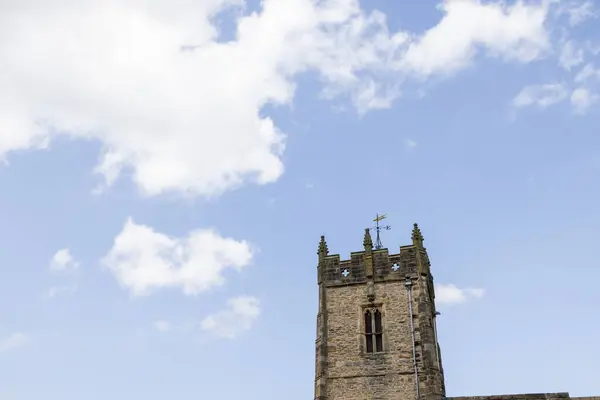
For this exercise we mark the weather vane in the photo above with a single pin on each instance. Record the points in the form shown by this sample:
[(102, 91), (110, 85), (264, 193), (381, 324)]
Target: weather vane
[(378, 228)]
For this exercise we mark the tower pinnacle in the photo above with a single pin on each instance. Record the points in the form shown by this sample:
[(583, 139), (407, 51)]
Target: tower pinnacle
[(323, 250), (417, 236), (368, 242)]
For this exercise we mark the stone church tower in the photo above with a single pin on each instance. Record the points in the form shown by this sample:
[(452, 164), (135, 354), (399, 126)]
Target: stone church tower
[(376, 329)]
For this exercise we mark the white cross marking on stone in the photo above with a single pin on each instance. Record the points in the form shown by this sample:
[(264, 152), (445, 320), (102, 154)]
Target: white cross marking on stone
[(346, 273), (395, 267)]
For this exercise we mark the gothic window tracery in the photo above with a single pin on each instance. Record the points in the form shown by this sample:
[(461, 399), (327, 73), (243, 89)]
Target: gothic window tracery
[(373, 331)]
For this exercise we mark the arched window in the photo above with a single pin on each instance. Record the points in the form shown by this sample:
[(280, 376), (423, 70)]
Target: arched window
[(373, 331), (369, 331), (378, 332)]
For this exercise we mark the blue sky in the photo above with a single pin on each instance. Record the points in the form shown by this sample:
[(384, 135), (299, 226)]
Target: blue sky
[(161, 208)]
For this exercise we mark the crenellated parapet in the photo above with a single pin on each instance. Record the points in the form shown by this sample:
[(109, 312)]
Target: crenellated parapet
[(385, 266)]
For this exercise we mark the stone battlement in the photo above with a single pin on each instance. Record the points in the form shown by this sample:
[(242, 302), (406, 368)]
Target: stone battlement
[(386, 266)]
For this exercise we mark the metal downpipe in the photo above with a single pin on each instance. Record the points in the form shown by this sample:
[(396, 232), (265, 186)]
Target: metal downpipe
[(408, 285)]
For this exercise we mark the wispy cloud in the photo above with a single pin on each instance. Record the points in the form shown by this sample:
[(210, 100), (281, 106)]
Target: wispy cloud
[(58, 290), (14, 341), (238, 317), (571, 55), (63, 261), (164, 326), (451, 294), (582, 99), (66, 267), (589, 72), (541, 95), (578, 11)]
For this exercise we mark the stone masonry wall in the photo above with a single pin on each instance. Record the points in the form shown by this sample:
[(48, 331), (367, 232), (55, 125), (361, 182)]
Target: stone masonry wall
[(344, 371), (354, 375)]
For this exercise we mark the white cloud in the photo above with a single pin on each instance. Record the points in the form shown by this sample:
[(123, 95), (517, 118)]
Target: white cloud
[(582, 99), (63, 261), (13, 341), (512, 32), (238, 317), (450, 294), (143, 260), (191, 121), (540, 95), (588, 72), (411, 144), (570, 55), (544, 96)]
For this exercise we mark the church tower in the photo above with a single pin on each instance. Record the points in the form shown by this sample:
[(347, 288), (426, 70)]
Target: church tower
[(376, 330)]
